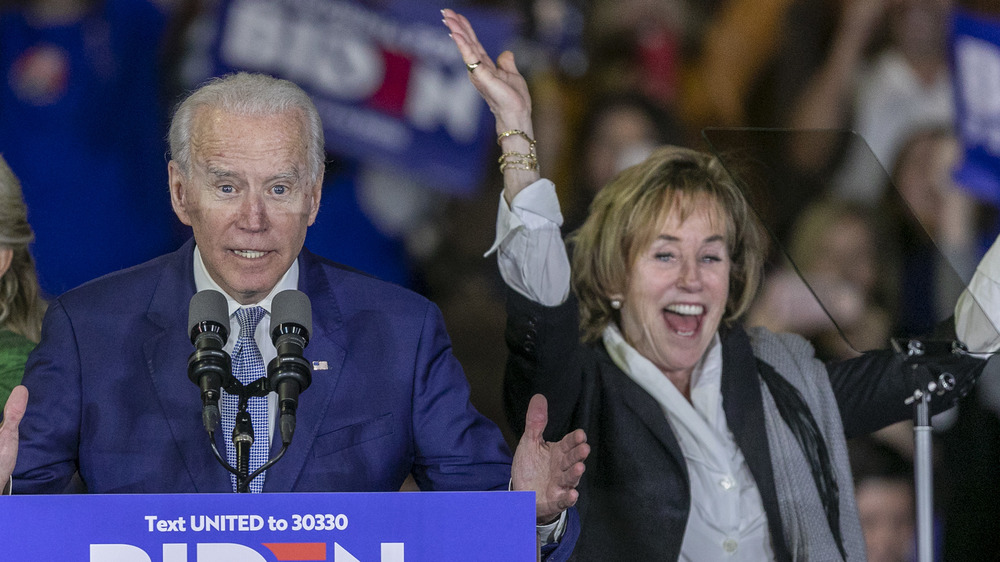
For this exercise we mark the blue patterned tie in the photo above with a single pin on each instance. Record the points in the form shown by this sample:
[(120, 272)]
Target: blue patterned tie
[(248, 366)]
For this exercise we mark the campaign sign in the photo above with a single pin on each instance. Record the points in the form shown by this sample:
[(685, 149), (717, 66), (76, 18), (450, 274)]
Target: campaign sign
[(339, 527), (975, 52), (388, 81)]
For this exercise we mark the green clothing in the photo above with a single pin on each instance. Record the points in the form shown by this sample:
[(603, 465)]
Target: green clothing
[(14, 349)]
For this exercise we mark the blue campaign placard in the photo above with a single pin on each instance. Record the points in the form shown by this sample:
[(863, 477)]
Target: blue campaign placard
[(340, 527), (975, 57), (387, 80)]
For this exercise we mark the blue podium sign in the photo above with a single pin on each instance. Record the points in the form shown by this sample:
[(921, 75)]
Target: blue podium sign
[(340, 527)]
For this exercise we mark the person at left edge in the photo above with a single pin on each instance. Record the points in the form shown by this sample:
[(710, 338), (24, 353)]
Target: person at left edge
[(21, 304), (109, 395)]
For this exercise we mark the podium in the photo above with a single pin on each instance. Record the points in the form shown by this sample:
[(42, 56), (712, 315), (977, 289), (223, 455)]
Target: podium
[(338, 527)]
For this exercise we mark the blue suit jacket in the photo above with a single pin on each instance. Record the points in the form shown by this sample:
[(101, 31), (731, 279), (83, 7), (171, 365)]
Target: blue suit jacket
[(110, 396)]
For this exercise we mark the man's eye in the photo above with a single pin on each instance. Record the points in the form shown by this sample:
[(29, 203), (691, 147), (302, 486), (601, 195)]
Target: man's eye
[(226, 188), (279, 189)]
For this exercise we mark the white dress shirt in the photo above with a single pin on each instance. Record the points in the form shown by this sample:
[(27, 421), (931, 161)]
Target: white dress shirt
[(727, 519), (290, 280)]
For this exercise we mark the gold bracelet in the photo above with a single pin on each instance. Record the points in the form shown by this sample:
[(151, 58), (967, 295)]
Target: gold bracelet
[(505, 134), (530, 156), (517, 156), (525, 160), (517, 161), (528, 166)]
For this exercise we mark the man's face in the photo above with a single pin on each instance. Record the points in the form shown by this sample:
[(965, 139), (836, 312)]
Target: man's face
[(248, 197)]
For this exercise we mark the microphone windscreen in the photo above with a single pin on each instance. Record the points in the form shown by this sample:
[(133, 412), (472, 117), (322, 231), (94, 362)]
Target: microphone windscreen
[(208, 306), (293, 307)]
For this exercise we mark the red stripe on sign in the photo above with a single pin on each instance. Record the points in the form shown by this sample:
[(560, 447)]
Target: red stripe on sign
[(390, 98), (297, 551)]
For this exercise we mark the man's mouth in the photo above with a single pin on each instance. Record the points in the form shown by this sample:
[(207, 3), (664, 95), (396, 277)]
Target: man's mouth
[(250, 254), (684, 319)]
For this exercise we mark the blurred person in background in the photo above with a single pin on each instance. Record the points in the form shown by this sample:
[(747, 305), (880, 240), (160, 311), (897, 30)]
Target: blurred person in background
[(933, 218), (721, 82), (880, 90), (617, 131), (21, 306), (884, 488), (82, 122), (836, 245)]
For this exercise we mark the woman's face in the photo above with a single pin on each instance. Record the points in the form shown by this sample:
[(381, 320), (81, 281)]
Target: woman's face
[(924, 177), (920, 27), (886, 511), (848, 253), (677, 290), (623, 136)]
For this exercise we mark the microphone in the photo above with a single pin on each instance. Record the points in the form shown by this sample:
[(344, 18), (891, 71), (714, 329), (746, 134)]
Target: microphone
[(209, 366), (289, 373)]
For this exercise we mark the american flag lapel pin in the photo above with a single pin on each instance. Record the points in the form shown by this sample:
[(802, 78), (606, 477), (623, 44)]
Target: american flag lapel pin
[(320, 366)]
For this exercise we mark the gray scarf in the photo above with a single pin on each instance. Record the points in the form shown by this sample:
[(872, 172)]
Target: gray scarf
[(803, 384)]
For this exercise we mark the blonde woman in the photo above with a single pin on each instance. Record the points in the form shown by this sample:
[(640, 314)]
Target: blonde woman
[(21, 305), (710, 441)]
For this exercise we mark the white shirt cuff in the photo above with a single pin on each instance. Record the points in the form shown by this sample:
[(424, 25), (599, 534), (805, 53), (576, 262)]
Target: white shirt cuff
[(552, 532), (531, 254), (534, 207)]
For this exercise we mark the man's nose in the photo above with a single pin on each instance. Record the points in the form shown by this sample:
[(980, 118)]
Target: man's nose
[(253, 213)]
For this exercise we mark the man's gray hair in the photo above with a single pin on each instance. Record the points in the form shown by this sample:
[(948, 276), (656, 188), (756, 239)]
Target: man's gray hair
[(245, 93)]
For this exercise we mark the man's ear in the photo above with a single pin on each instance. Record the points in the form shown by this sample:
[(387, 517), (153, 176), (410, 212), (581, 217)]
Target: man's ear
[(6, 256), (178, 191), (317, 193)]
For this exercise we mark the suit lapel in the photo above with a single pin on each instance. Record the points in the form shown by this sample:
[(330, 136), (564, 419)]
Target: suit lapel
[(166, 351), (326, 351), (744, 408)]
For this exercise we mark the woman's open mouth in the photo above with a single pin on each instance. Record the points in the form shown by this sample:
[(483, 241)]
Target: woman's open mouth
[(684, 319)]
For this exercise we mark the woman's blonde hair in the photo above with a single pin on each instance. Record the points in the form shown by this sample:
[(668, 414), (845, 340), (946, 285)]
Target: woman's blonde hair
[(21, 304), (625, 217)]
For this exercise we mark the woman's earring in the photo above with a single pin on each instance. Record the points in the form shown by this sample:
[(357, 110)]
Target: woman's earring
[(616, 304)]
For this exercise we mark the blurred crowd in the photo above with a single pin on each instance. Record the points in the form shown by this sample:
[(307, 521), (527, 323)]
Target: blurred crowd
[(872, 219)]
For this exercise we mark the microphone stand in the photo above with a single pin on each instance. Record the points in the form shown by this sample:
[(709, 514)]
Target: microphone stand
[(243, 436), (923, 469), (242, 440), (287, 374)]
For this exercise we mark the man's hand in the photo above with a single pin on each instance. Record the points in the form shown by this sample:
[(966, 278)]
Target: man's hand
[(13, 411), (552, 470)]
